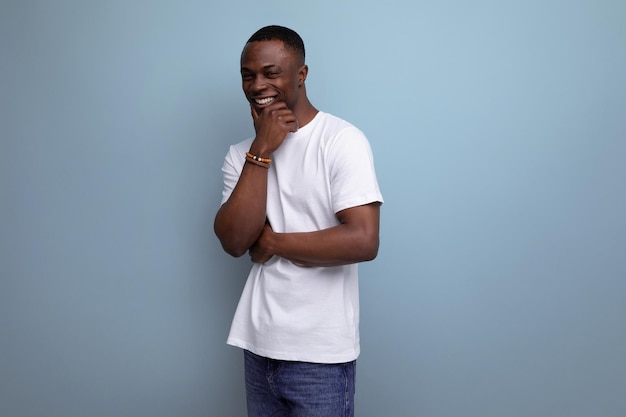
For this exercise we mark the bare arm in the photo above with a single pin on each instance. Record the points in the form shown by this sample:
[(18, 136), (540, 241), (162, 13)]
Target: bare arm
[(240, 220), (354, 240)]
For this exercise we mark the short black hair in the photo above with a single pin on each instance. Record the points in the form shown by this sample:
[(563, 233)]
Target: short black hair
[(289, 37)]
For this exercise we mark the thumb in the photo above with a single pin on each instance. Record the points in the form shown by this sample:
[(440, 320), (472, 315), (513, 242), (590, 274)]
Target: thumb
[(255, 115)]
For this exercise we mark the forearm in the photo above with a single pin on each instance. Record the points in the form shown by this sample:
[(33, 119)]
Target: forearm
[(354, 239), (240, 220), (339, 245)]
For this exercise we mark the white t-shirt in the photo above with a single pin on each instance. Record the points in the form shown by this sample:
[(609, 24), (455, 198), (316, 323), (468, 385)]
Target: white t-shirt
[(297, 313)]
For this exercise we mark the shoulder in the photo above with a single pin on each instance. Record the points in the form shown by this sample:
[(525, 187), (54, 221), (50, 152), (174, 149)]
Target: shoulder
[(240, 148), (244, 144), (334, 122), (337, 130), (235, 156)]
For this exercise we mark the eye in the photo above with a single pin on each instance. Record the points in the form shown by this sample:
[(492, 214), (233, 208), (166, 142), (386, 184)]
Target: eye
[(273, 74), (246, 76)]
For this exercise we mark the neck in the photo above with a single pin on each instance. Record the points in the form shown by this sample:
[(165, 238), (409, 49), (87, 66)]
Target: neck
[(305, 112)]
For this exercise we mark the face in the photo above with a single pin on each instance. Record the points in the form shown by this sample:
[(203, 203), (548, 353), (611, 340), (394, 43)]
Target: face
[(271, 73)]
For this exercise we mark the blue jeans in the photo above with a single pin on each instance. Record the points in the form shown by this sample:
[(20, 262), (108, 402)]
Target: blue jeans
[(277, 388)]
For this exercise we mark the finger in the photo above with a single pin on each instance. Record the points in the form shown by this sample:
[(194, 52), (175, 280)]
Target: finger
[(291, 123), (295, 128), (279, 106)]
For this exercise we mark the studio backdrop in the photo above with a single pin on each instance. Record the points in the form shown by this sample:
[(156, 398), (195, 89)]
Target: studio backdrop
[(499, 135)]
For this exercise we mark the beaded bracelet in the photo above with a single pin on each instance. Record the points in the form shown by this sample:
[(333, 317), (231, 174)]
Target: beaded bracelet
[(258, 158), (265, 165)]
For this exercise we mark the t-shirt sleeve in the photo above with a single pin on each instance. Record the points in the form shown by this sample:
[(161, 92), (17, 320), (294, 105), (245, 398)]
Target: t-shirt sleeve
[(352, 174), (231, 170)]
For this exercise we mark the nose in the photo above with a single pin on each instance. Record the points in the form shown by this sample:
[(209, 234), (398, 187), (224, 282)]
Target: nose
[(258, 84)]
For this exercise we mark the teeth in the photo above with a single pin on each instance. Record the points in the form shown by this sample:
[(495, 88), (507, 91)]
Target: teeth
[(262, 101)]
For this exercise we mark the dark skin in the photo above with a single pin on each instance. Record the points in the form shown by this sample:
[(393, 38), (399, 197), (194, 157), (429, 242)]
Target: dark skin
[(273, 81)]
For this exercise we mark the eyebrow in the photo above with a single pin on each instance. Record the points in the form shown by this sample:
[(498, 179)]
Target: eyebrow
[(266, 67)]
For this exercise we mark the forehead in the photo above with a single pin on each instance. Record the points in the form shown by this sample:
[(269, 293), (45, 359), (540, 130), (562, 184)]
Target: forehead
[(266, 53)]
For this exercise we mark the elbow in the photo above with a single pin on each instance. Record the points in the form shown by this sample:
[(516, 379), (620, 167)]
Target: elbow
[(232, 245), (370, 249), (373, 253), (234, 251), (233, 248)]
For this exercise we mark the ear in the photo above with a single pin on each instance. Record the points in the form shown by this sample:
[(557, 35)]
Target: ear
[(302, 73)]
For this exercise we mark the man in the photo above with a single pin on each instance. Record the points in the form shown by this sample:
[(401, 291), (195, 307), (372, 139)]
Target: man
[(302, 199)]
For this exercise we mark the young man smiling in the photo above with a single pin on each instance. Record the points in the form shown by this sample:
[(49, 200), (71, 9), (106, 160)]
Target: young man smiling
[(302, 198)]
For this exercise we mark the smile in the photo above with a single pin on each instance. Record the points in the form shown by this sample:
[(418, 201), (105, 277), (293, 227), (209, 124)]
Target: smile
[(263, 101)]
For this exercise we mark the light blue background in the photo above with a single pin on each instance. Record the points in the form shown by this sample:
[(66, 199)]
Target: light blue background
[(499, 131)]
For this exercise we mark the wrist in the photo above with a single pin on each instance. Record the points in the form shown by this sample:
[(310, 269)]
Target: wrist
[(260, 148), (272, 242), (257, 160)]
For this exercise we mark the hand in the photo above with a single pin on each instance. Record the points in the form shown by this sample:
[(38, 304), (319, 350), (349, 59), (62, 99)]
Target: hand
[(272, 127), (259, 251)]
